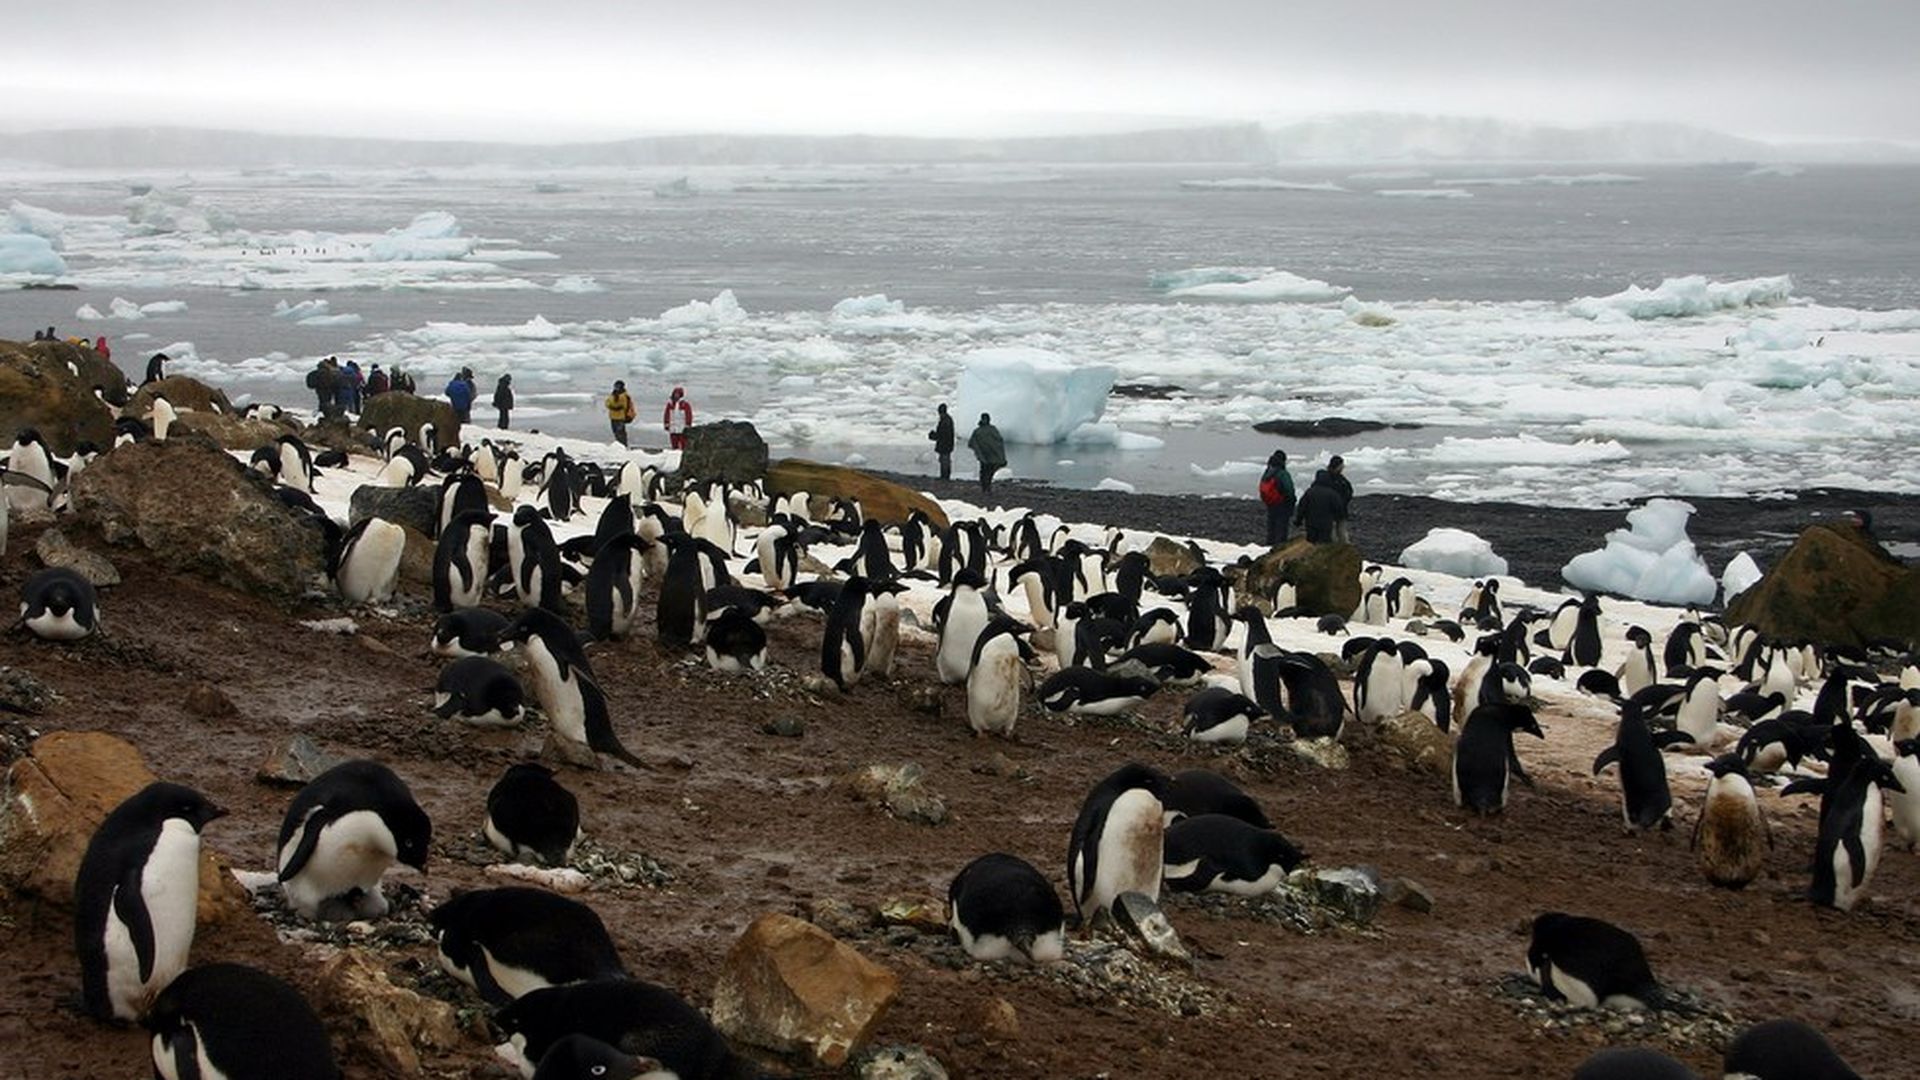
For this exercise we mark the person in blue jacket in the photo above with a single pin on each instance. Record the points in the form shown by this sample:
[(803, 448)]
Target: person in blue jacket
[(461, 391)]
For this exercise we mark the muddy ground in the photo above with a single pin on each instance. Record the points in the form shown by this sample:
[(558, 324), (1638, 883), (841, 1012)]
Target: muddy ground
[(746, 823)]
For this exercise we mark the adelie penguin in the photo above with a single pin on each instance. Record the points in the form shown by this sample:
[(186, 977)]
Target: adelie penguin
[(1218, 715), (368, 566), (1221, 853), (1730, 837), (507, 943), (580, 1057), (1784, 1050), (1116, 846), (734, 642), (1852, 819), (1097, 693), (481, 691), (135, 897), (460, 561), (995, 677), (843, 648), (232, 1022), (966, 616), (341, 833), (1001, 907), (1379, 683), (1645, 799), (678, 610), (1590, 963), (638, 1017), (1193, 792), (1632, 1063), (534, 559), (613, 586), (58, 604), (531, 817), (1484, 758), (564, 684), (29, 473), (468, 632)]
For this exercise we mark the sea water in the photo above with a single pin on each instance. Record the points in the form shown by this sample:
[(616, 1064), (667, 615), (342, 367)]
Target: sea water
[(835, 306)]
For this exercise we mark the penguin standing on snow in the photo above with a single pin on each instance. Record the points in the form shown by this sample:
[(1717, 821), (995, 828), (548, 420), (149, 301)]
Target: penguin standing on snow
[(1483, 756), (1379, 683), (1583, 646), (135, 898), (507, 943), (534, 559), (993, 683), (1589, 963), (999, 906), (368, 566), (479, 691), (1221, 853), (1218, 715), (564, 684), (1639, 670), (58, 604), (779, 556), (460, 561), (296, 463), (1904, 805), (1731, 835), (1645, 799), (341, 833), (232, 1022), (1116, 845), (966, 616), (530, 816)]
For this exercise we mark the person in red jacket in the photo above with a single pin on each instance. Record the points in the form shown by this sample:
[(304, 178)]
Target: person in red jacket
[(100, 346), (678, 418)]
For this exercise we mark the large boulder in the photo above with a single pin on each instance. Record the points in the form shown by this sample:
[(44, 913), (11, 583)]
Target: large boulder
[(1171, 558), (1416, 743), (416, 507), (1326, 577), (397, 409), (787, 985), (882, 500), (196, 509), (728, 451), (1837, 586), (56, 797), (395, 1023), (48, 386), (183, 393)]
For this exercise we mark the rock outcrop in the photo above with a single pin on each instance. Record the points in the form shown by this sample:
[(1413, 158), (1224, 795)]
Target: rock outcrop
[(1326, 577), (397, 409), (1170, 558), (788, 986), (882, 500), (195, 508), (416, 507), (183, 394), (396, 1022), (727, 451), (48, 386), (1836, 586)]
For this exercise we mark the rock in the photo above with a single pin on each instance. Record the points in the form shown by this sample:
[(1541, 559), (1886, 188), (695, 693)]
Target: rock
[(396, 409), (1351, 893), (747, 513), (900, 1063), (59, 794), (235, 432), (819, 685), (882, 500), (1416, 743), (294, 761), (49, 386), (196, 509), (788, 986), (1409, 894), (1836, 586), (787, 727), (1140, 917), (1325, 577), (416, 562), (1325, 753), (728, 451), (832, 914), (922, 698), (20, 692), (394, 1021), (184, 394), (209, 702), (416, 507), (53, 548), (999, 1020), (923, 913), (1326, 427), (899, 788), (1165, 556)]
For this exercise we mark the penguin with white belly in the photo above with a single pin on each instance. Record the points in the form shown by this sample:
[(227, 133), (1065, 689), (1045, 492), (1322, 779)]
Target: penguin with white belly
[(468, 632), (613, 586), (508, 942), (480, 691), (59, 604), (534, 559), (341, 833), (1117, 841), (1590, 963), (1218, 715), (565, 686), (966, 616), (994, 678), (367, 567), (461, 561), (233, 1022), (1000, 907), (1221, 853)]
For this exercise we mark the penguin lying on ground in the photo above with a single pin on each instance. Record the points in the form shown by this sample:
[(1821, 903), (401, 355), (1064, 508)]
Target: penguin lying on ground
[(509, 942), (232, 1022), (1589, 963), (999, 906)]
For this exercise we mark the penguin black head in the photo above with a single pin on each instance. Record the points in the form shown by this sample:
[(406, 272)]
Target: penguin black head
[(970, 579), (162, 801), (526, 515), (534, 622), (412, 833), (1516, 717), (580, 1057), (1639, 636), (1729, 765), (1332, 624)]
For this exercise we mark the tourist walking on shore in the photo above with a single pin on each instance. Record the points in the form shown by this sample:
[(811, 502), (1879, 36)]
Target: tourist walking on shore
[(377, 383), (102, 349), (503, 398), (1337, 470), (990, 448), (620, 411), (1276, 491), (942, 436), (678, 418), (461, 391), (1322, 508)]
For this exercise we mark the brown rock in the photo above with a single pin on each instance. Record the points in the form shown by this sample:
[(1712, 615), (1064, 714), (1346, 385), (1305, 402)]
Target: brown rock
[(788, 986), (999, 1020), (209, 702), (184, 394), (1416, 743), (1166, 557), (729, 451), (235, 432), (898, 788), (882, 500), (1326, 577), (923, 913), (196, 509), (54, 548), (295, 761), (394, 1021), (416, 560), (59, 794), (1837, 586), (395, 409), (49, 386)]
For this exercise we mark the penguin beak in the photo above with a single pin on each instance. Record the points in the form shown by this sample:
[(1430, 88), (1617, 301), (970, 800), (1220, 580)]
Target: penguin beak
[(213, 813)]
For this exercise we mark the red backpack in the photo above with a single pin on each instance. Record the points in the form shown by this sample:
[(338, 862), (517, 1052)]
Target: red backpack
[(1270, 492)]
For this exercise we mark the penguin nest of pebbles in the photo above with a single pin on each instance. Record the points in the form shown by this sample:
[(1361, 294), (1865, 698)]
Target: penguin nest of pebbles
[(1684, 1020), (1295, 909), (404, 926), (601, 864)]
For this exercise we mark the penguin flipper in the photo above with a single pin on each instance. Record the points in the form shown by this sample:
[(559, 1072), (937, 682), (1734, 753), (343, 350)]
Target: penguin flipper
[(1806, 785), (1664, 739), (309, 842), (448, 707), (1514, 766), (1609, 756), (1856, 858), (131, 907)]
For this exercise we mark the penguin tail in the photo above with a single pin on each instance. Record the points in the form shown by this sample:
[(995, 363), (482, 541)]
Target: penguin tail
[(624, 754)]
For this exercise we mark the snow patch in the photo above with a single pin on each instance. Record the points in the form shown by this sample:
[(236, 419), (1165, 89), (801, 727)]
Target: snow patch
[(1454, 551)]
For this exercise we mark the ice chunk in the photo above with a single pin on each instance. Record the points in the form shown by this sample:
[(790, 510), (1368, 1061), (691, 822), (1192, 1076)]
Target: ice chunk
[(1652, 559), (313, 313), (1453, 551), (25, 253), (1682, 296), (50, 225), (1740, 575), (577, 283), (1425, 193), (1768, 335), (1035, 396), (866, 307), (174, 212), (1111, 484), (432, 236), (723, 310), (1274, 287), (1261, 183)]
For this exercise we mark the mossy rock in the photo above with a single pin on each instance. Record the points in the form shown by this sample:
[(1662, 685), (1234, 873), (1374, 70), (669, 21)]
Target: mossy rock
[(1835, 586), (882, 500)]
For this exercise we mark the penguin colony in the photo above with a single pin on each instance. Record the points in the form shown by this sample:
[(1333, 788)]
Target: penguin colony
[(522, 612)]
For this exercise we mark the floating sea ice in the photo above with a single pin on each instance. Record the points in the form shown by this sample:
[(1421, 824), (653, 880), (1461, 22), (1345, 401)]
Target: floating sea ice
[(1682, 296), (1453, 551), (857, 307), (1111, 484), (1034, 396), (50, 225), (431, 236), (1275, 287), (24, 253), (577, 283), (722, 310), (1740, 575), (1652, 559)]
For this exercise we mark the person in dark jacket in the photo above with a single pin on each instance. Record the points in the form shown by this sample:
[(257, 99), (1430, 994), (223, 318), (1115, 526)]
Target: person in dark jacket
[(503, 398), (1337, 468), (1322, 508), (461, 392), (942, 436), (377, 383), (324, 381), (990, 449), (1276, 491)]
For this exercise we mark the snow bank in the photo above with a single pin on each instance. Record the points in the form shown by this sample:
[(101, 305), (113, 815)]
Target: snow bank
[(1682, 296), (1740, 575), (25, 253), (1453, 551), (722, 310), (433, 236), (1277, 286), (1524, 450), (1034, 396), (1652, 559)]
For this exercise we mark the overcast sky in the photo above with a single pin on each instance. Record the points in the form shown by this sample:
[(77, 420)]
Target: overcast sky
[(1782, 69)]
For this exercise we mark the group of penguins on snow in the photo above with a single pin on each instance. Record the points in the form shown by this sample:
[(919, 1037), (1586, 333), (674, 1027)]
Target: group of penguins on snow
[(567, 1003)]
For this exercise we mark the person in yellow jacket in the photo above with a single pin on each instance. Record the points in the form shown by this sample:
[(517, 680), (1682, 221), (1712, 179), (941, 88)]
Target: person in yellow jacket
[(620, 411)]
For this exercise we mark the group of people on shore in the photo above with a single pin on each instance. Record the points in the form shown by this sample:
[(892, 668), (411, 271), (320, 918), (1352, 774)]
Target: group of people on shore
[(989, 449), (343, 388), (675, 420), (1321, 511)]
